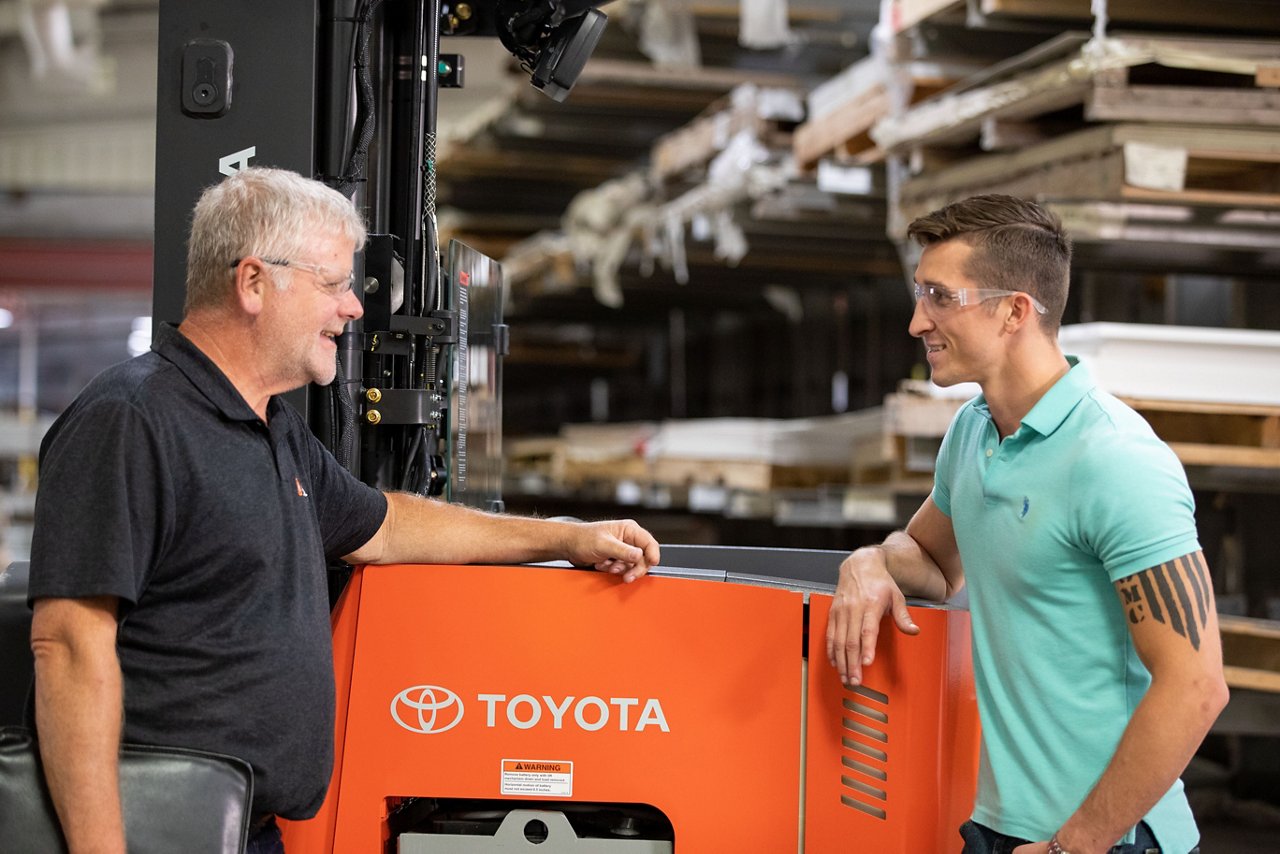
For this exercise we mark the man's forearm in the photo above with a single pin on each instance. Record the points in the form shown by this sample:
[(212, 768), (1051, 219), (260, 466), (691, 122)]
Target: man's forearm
[(449, 533), (913, 569), (1156, 746), (78, 714)]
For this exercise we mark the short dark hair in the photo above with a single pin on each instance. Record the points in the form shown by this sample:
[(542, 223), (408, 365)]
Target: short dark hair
[(1017, 246)]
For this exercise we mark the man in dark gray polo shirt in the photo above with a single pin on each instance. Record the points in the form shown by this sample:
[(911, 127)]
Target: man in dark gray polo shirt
[(185, 515)]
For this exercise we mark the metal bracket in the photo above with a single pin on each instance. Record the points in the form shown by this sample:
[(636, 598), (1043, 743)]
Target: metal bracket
[(383, 406)]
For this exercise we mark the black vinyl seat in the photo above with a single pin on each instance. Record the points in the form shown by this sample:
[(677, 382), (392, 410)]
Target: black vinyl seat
[(16, 664), (174, 799)]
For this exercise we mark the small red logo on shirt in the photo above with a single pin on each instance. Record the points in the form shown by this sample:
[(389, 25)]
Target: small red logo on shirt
[(302, 493)]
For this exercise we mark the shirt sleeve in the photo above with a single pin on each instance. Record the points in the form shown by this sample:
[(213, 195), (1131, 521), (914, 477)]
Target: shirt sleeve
[(1140, 511), (99, 522), (943, 466), (350, 511)]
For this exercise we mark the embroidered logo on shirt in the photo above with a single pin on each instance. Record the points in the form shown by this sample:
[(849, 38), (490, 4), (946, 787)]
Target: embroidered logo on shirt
[(1026, 507), (302, 493)]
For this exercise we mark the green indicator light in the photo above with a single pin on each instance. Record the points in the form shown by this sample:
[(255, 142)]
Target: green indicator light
[(442, 67)]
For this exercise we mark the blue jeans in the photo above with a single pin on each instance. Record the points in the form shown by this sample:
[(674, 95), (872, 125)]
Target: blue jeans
[(983, 840), (265, 839)]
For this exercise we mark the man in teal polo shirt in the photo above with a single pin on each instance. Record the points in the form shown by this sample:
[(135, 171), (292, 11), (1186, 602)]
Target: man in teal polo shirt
[(1095, 640)]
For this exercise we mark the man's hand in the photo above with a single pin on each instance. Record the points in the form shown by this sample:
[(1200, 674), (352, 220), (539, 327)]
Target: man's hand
[(1032, 848), (620, 547), (864, 593)]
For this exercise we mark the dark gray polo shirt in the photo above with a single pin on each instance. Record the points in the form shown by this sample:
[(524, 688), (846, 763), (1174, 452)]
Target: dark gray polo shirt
[(160, 486)]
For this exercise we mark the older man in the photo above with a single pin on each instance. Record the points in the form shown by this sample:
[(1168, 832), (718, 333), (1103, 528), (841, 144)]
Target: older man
[(185, 515)]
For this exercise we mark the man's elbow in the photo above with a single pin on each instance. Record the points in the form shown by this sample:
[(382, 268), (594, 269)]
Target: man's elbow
[(1215, 699), (1211, 694), (48, 650)]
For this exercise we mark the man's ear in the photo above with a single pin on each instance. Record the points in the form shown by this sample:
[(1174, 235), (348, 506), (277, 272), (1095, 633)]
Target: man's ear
[(251, 283), (1020, 312)]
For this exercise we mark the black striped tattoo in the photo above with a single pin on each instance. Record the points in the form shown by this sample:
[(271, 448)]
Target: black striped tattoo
[(1178, 594)]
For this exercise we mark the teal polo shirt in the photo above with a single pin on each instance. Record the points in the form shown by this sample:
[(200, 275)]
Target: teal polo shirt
[(1081, 496)]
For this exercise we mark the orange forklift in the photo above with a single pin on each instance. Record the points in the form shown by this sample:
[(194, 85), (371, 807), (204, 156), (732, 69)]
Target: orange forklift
[(485, 709)]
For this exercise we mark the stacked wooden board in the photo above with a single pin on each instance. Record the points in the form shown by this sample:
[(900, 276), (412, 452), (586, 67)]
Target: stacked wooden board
[(1174, 121)]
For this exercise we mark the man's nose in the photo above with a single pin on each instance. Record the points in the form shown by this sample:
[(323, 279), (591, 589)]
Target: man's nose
[(350, 307), (921, 322)]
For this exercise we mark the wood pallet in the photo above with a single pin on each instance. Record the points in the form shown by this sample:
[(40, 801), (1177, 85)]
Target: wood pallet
[(1216, 434), (694, 145), (1188, 81), (845, 108), (844, 132), (579, 472), (1128, 162), (901, 15), (748, 475), (1241, 15), (1251, 653)]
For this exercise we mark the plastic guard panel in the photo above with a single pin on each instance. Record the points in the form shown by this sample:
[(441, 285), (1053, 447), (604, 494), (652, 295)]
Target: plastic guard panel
[(556, 685), (892, 765)]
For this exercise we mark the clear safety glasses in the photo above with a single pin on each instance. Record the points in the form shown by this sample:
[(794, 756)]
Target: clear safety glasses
[(939, 300), (333, 287)]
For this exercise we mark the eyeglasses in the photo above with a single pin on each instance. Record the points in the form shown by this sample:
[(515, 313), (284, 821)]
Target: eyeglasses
[(335, 288), (939, 299)]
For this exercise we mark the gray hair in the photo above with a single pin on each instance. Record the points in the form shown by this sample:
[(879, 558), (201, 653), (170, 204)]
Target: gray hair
[(268, 213)]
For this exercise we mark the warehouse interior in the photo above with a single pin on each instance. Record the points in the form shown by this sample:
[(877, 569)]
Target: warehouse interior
[(707, 274)]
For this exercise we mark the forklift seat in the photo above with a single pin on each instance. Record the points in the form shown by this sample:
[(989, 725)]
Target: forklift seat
[(16, 664), (175, 799)]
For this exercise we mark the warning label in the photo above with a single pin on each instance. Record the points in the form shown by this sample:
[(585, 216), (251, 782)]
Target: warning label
[(537, 777)]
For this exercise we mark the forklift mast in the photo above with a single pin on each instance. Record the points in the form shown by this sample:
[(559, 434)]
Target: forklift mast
[(346, 91)]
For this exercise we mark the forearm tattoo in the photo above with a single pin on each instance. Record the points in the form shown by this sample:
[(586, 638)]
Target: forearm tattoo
[(1178, 594)]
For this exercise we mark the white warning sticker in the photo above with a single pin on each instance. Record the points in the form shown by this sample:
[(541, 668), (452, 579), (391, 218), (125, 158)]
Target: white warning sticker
[(551, 778)]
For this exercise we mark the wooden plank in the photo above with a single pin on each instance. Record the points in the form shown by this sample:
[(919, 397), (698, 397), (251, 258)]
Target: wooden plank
[(1192, 105), (1254, 431), (850, 122), (1251, 652), (697, 142), (1203, 197), (1223, 166), (1250, 409), (1221, 14), (623, 72), (578, 170), (575, 472), (1192, 454), (752, 476), (904, 14), (1238, 435), (1009, 135), (1250, 626), (957, 115), (1253, 680)]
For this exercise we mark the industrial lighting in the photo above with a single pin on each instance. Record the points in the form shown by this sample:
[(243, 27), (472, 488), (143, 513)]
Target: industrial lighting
[(6, 318), (140, 336)]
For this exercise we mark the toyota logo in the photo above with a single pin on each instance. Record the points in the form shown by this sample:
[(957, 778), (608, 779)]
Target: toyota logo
[(427, 709)]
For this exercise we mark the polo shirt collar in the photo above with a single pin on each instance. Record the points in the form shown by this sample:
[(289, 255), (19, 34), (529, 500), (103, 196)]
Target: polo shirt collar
[(1056, 404), (207, 377)]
